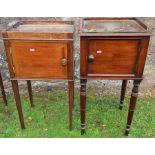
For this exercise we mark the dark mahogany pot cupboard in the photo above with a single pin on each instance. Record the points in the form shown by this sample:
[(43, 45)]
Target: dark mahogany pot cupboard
[(114, 49), (40, 50)]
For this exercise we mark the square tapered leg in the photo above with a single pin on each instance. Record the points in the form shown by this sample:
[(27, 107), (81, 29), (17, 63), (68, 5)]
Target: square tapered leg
[(18, 102), (71, 102), (30, 92)]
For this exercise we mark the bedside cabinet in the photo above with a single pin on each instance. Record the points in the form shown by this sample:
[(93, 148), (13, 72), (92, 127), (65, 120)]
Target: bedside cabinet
[(114, 49), (40, 50)]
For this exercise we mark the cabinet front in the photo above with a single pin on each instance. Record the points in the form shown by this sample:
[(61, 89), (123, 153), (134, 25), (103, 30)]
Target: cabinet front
[(39, 59), (113, 56)]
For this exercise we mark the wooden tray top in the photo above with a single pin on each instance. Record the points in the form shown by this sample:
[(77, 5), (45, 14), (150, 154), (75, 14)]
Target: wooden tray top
[(40, 30), (43, 26), (112, 25)]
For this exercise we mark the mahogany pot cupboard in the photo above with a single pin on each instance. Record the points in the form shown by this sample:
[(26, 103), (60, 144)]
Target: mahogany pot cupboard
[(40, 50), (112, 49)]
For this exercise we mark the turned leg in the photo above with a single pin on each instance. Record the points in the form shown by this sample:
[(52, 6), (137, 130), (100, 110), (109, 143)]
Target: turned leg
[(18, 102), (83, 83), (123, 90), (132, 105), (30, 92), (71, 101), (2, 90)]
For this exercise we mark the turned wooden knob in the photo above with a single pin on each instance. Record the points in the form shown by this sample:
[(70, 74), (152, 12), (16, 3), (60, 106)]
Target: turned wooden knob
[(64, 62), (91, 58)]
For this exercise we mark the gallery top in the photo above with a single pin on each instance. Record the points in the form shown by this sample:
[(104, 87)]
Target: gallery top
[(112, 26), (40, 30)]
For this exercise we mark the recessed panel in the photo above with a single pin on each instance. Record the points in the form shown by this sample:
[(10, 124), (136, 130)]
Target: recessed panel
[(112, 56), (39, 60)]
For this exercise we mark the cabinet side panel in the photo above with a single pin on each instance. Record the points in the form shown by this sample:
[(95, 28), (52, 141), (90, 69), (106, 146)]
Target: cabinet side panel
[(83, 57), (70, 64), (8, 56), (142, 57)]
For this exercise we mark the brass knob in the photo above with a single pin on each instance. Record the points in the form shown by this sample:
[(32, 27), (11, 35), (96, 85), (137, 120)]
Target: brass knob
[(91, 58), (64, 61)]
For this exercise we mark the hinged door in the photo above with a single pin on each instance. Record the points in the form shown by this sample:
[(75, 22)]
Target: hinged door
[(39, 59), (112, 57)]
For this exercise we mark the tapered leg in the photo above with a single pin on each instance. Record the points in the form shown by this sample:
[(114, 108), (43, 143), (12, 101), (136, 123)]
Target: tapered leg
[(132, 105), (2, 90), (71, 101), (30, 92), (83, 83), (123, 90), (18, 102)]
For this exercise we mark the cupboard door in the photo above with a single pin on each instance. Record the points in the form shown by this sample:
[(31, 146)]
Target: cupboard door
[(39, 59), (112, 56)]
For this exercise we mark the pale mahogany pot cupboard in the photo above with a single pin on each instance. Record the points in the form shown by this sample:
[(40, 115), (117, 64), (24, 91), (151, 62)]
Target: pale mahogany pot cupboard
[(40, 50), (111, 48)]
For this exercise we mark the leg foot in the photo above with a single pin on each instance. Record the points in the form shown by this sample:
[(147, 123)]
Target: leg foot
[(127, 130), (82, 132)]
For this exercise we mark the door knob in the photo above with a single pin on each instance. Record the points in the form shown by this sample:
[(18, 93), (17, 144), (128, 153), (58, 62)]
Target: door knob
[(63, 61), (91, 58)]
